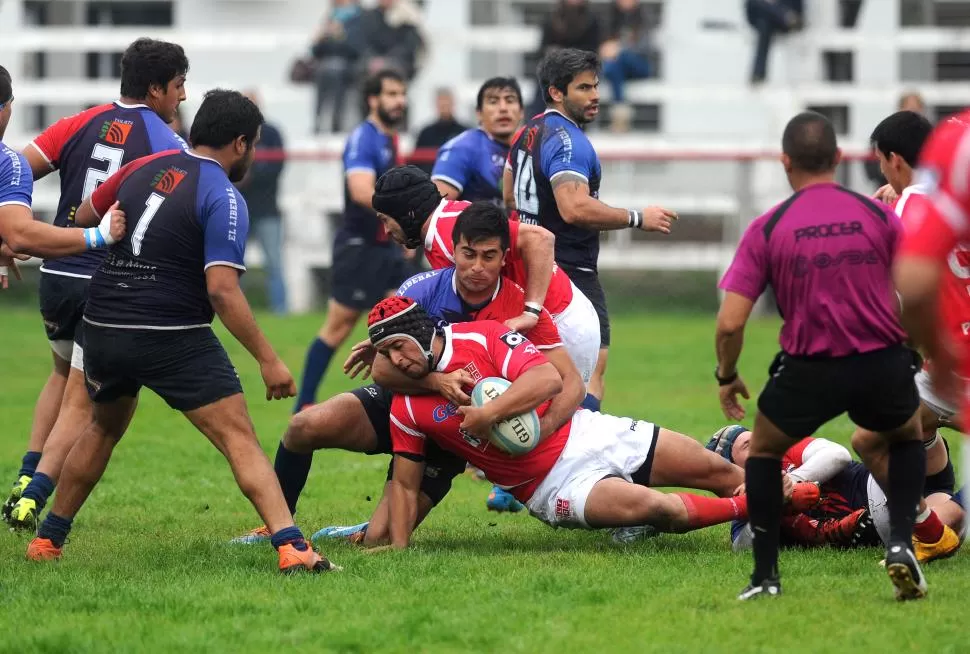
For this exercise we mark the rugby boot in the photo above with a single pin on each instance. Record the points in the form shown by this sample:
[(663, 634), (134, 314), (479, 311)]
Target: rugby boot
[(353, 534), (501, 500), (904, 571), (849, 531), (43, 549), (770, 587), (260, 534), (23, 516), (293, 559), (948, 544), (16, 492)]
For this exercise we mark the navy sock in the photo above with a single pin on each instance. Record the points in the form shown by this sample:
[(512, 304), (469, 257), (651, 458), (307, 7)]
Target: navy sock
[(762, 476), (317, 359), (28, 464), (40, 488), (55, 528), (907, 470), (289, 536), (591, 402), (292, 469)]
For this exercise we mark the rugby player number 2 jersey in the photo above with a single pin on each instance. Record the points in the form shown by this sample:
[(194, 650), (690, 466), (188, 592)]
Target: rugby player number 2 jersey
[(87, 149), (368, 150), (439, 249), (473, 162), (484, 349), (437, 293), (944, 210), (184, 216), (16, 179), (547, 146)]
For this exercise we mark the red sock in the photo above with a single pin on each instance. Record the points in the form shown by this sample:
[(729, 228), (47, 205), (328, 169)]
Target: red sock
[(706, 511), (929, 529)]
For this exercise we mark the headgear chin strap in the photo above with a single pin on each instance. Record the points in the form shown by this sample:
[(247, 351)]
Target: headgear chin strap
[(408, 196), (399, 316)]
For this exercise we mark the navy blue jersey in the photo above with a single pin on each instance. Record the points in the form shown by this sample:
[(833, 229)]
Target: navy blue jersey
[(437, 293), (16, 180), (87, 149), (547, 146), (184, 215), (370, 150), (473, 162)]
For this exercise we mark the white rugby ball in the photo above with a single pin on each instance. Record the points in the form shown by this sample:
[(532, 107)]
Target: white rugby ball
[(516, 435)]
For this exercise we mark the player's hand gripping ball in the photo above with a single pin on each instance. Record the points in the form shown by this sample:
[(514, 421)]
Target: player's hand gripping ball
[(516, 435)]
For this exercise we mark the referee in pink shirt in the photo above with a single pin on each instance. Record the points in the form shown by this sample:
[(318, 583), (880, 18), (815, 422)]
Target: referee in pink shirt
[(827, 253)]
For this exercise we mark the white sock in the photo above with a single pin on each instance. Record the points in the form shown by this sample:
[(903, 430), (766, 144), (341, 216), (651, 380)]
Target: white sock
[(924, 515)]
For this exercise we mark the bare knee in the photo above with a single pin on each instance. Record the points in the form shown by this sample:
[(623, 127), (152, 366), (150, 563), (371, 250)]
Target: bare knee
[(340, 422)]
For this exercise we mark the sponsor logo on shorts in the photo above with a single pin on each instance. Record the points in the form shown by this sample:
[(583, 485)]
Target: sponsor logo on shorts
[(563, 511), (371, 391), (431, 472), (444, 411), (168, 180), (115, 131), (92, 384)]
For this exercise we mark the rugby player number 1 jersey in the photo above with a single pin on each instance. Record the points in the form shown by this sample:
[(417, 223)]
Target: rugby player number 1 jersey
[(437, 293), (484, 349), (439, 249), (184, 216), (87, 149)]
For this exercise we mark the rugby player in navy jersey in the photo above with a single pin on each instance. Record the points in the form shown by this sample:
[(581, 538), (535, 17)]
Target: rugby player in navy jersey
[(20, 235), (86, 149), (553, 176), (470, 166), (366, 264), (148, 320)]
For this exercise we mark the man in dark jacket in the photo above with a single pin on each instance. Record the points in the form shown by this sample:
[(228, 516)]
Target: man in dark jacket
[(260, 188), (768, 18)]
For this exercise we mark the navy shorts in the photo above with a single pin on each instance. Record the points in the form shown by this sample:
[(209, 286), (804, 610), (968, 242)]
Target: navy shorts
[(440, 466), (187, 368), (588, 282), (62, 301), (877, 389), (362, 274)]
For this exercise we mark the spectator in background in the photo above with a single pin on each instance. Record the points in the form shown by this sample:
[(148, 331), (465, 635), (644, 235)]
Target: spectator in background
[(260, 187), (625, 54), (389, 36), (443, 129), (769, 18), (572, 24), (335, 54), (912, 101)]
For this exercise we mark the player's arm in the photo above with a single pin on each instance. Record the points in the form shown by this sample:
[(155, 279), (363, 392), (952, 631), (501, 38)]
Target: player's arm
[(821, 460), (508, 192), (24, 235), (40, 165), (403, 490), (566, 402), (448, 385), (447, 191), (529, 390), (360, 184), (451, 168), (729, 339), (536, 246), (578, 207)]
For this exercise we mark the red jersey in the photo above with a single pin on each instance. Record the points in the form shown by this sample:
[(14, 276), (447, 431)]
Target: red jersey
[(938, 224), (484, 349), (440, 251)]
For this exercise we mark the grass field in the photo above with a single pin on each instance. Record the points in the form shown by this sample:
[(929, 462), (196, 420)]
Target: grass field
[(148, 567)]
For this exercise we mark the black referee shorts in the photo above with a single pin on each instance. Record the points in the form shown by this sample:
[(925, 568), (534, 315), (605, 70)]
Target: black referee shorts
[(588, 281), (876, 389)]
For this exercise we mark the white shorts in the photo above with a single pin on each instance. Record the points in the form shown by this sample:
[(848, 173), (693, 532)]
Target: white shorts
[(77, 357), (934, 402), (579, 329), (599, 446), (63, 349)]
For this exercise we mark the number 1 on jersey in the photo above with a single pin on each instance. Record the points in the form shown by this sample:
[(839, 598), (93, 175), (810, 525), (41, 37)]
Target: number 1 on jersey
[(526, 198), (152, 205)]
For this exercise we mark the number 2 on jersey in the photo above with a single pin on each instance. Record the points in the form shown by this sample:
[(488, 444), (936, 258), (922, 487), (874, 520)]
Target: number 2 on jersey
[(94, 177), (152, 205), (526, 198)]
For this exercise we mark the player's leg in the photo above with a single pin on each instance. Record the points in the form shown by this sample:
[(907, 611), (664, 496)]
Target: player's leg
[(75, 415), (338, 324), (82, 469), (679, 460), (588, 283)]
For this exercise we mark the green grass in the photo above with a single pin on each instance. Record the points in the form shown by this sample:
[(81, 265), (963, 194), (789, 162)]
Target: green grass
[(148, 568)]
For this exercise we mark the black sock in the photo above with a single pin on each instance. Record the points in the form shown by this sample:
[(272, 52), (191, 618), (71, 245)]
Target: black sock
[(29, 464), (55, 528), (292, 469), (762, 479), (907, 470)]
